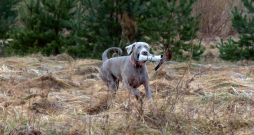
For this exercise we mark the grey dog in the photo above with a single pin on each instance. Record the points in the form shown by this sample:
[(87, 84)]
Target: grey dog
[(127, 69)]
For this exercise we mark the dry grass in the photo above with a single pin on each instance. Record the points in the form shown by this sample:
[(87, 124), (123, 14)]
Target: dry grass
[(45, 95)]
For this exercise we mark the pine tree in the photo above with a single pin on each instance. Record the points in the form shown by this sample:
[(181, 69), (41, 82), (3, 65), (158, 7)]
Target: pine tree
[(25, 39), (76, 44), (109, 23), (230, 47), (171, 24), (244, 48), (43, 21), (59, 15), (7, 16)]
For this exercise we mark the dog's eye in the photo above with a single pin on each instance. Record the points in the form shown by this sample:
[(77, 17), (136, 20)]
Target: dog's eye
[(139, 47)]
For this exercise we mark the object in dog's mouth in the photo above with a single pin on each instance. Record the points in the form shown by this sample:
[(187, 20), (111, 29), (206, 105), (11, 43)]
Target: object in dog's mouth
[(144, 58)]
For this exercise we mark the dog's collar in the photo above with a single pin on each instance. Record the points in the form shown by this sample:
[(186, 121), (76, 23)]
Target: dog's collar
[(133, 62)]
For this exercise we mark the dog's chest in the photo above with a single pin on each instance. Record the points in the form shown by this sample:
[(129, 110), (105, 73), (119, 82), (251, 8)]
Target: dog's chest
[(136, 80)]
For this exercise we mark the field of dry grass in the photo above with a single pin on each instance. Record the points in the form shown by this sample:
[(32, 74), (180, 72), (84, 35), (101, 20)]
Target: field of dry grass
[(59, 95)]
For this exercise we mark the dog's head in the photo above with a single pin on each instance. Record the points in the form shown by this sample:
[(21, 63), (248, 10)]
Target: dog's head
[(138, 48)]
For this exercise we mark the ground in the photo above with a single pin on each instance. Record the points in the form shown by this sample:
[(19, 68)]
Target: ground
[(59, 95)]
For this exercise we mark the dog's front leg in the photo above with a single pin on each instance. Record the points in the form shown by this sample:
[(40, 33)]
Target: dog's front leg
[(136, 94), (133, 91), (148, 92)]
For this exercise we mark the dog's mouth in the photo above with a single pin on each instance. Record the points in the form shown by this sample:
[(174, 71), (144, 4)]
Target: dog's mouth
[(141, 62)]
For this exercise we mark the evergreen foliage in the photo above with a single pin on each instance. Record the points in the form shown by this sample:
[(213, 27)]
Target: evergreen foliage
[(107, 25), (43, 21), (7, 16), (230, 47), (96, 25), (244, 48), (172, 25)]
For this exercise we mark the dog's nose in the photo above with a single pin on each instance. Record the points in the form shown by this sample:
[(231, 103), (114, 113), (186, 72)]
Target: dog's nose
[(145, 53)]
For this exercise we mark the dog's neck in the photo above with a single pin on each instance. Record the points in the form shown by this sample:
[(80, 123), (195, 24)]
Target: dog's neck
[(135, 63)]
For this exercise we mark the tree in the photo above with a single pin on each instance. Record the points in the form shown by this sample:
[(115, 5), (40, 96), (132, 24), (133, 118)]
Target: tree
[(244, 48), (7, 16), (171, 24), (108, 23), (43, 22), (230, 47)]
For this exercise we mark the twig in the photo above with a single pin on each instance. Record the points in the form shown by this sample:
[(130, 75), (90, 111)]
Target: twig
[(234, 90), (198, 130), (192, 79)]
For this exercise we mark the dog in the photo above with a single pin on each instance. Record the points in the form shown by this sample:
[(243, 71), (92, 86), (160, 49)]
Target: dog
[(127, 69)]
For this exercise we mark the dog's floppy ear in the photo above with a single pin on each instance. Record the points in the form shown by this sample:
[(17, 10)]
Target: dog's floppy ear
[(129, 47)]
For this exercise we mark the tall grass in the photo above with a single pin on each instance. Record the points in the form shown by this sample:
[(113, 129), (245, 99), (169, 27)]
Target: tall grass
[(216, 16)]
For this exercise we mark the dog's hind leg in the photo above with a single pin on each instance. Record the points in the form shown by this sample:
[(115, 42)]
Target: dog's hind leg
[(109, 80), (117, 83), (112, 87)]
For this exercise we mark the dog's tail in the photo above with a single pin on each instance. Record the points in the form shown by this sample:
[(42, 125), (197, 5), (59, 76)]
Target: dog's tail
[(104, 55)]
